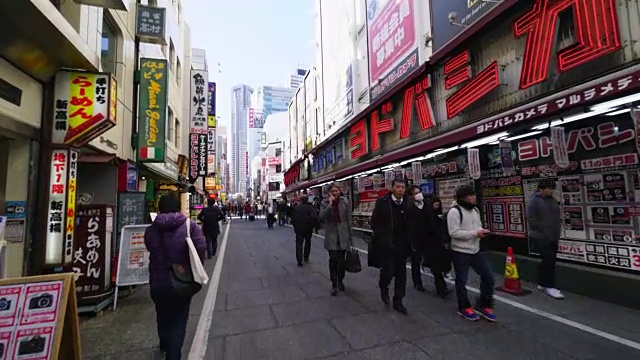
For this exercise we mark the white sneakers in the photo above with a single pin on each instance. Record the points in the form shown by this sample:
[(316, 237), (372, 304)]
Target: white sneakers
[(553, 292)]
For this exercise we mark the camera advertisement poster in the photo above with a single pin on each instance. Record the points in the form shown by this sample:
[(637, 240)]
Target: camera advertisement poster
[(33, 343), (41, 303), (9, 300)]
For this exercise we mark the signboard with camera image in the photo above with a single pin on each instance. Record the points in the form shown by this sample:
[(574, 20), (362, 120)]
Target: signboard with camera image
[(36, 314)]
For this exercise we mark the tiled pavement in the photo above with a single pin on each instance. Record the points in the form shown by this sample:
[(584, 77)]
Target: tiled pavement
[(268, 308)]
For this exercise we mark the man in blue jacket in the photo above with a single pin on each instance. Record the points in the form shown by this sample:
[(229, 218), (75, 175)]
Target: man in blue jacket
[(543, 218)]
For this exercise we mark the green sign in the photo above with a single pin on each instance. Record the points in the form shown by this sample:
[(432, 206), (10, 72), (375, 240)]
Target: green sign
[(152, 110)]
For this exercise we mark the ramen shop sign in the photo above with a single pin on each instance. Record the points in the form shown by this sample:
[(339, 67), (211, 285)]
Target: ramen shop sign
[(365, 134)]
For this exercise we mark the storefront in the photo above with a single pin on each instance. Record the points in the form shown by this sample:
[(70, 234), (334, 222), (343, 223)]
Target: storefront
[(496, 114)]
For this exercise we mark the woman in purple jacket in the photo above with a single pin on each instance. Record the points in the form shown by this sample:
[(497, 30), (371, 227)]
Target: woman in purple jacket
[(166, 241)]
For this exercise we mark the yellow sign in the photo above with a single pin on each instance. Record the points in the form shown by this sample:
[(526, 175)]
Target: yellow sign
[(84, 106), (71, 205), (511, 270), (211, 121)]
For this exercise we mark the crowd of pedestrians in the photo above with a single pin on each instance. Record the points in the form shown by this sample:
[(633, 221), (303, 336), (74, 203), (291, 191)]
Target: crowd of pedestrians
[(406, 228)]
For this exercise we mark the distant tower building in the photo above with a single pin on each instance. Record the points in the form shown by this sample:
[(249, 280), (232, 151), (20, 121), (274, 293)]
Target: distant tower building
[(239, 168)]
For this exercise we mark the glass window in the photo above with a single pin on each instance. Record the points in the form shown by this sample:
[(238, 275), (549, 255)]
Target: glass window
[(170, 125), (172, 56), (108, 54), (176, 135), (178, 72), (278, 169)]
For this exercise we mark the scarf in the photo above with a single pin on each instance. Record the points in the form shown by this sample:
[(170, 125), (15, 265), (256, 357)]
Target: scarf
[(336, 211)]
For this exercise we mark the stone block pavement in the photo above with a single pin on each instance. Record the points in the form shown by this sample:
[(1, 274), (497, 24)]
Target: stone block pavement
[(269, 308)]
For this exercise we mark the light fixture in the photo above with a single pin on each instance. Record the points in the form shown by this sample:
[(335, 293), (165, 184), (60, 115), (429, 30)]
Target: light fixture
[(485, 140), (541, 127), (619, 112), (580, 116), (616, 102)]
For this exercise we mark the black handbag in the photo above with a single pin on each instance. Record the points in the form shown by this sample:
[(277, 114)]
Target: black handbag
[(180, 275), (352, 260)]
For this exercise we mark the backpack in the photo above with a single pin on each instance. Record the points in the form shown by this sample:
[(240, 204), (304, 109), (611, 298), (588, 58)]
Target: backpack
[(447, 236)]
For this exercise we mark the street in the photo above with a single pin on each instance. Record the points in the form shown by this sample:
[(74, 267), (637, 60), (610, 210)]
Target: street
[(266, 307)]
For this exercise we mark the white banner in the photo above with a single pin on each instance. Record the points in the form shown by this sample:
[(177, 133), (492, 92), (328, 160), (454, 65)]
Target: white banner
[(559, 146), (416, 168), (474, 163), (199, 92), (506, 158), (388, 178), (635, 115)]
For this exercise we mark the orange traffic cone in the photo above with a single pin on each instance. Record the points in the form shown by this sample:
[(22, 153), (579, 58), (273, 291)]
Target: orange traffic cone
[(512, 283)]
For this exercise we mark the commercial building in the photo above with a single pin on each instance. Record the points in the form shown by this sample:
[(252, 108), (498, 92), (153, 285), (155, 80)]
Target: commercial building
[(64, 151), (295, 79), (555, 106), (274, 156), (240, 104), (272, 99)]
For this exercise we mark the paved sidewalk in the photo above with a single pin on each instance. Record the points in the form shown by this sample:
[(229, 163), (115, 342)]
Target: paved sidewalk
[(129, 333), (268, 308)]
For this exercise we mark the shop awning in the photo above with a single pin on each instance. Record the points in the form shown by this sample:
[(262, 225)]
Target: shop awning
[(98, 159), (39, 40)]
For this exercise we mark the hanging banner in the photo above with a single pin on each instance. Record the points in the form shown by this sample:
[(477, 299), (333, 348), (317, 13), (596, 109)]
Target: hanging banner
[(378, 181), (388, 178), (635, 115), (55, 238), (559, 146), (506, 158), (198, 121), (474, 163), (416, 170), (71, 205)]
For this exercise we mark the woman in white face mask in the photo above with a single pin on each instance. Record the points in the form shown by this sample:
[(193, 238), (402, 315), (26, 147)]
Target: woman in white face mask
[(417, 220)]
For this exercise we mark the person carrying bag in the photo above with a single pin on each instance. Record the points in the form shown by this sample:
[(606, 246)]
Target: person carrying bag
[(177, 249)]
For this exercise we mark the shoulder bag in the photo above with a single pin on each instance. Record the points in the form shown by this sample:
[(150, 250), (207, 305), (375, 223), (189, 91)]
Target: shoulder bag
[(180, 275)]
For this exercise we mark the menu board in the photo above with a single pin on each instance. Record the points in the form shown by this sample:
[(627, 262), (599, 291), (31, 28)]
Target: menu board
[(28, 316), (446, 190), (133, 260)]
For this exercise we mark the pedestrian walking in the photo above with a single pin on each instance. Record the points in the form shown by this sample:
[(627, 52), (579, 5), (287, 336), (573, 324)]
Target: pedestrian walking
[(543, 213), (465, 229), (282, 212), (260, 209), (166, 242), (418, 221), (335, 213), (438, 255), (210, 217), (271, 214), (304, 221), (390, 244)]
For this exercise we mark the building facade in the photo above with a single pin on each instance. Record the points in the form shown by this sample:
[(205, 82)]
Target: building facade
[(295, 79), (502, 122), (240, 104), (62, 155), (272, 99)]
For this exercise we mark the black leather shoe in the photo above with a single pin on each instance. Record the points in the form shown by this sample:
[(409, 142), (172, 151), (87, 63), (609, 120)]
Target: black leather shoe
[(334, 291), (384, 295), (420, 287), (341, 287), (397, 306), (300, 264)]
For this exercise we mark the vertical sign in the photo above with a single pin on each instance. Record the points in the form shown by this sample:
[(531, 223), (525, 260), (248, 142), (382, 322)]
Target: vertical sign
[(71, 205), (559, 146), (251, 118), (474, 163), (211, 132), (211, 118), (198, 125), (152, 110), (57, 207)]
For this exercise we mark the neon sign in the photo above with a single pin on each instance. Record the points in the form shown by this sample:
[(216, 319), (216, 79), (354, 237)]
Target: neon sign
[(596, 34), (383, 121)]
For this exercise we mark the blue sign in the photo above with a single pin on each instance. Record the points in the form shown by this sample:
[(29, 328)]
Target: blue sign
[(132, 178), (212, 99), (15, 209)]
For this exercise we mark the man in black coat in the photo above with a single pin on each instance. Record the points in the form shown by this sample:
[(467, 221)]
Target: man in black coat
[(210, 217), (418, 223), (390, 247), (304, 220)]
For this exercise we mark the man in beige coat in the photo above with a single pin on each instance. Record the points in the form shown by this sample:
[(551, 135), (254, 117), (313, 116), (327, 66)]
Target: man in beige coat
[(335, 213)]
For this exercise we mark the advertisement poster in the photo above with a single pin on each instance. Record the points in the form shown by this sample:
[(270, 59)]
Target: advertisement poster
[(446, 191), (138, 254), (503, 205), (40, 303), (133, 259), (9, 301), (34, 343)]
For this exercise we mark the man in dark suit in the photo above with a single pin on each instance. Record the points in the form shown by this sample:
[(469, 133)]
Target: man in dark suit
[(304, 221), (210, 217), (390, 247)]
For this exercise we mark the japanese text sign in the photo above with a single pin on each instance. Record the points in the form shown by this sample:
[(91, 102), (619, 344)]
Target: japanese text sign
[(152, 110), (56, 221), (198, 122), (91, 259), (84, 107), (212, 100), (150, 24), (392, 33), (71, 204)]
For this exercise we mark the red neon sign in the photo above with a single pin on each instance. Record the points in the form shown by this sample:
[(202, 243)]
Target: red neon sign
[(456, 71), (383, 121), (596, 29)]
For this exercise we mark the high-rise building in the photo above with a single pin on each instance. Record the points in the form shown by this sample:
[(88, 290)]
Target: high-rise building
[(221, 157), (273, 99), (296, 78), (240, 104)]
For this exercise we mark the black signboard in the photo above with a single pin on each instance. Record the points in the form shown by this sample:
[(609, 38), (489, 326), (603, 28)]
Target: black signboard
[(466, 13), (131, 211), (150, 24)]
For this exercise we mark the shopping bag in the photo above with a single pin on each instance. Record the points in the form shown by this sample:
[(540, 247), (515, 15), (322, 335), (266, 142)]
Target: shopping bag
[(352, 260), (199, 273)]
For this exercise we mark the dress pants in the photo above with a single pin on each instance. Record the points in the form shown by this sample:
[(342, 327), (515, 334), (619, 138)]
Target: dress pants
[(416, 263), (395, 267), (336, 266), (303, 245)]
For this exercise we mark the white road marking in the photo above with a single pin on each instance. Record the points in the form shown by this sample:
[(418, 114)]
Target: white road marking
[(201, 338), (532, 310)]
